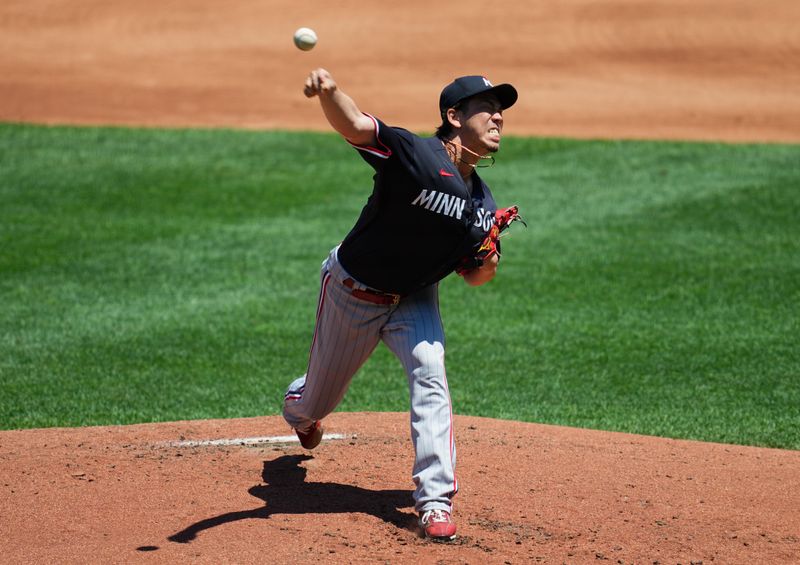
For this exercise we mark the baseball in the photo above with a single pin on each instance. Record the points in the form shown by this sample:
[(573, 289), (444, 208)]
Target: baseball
[(305, 38)]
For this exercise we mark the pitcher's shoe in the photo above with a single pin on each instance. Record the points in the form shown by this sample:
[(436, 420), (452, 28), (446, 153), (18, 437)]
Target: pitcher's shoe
[(438, 525), (311, 438)]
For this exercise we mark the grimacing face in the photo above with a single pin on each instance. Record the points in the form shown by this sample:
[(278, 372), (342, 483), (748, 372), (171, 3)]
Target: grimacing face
[(482, 123)]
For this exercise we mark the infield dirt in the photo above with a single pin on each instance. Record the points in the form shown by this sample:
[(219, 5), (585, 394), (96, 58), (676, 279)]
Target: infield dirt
[(681, 69), (691, 69)]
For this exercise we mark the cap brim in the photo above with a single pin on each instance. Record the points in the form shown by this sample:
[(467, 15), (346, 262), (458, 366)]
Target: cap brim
[(456, 92), (506, 94)]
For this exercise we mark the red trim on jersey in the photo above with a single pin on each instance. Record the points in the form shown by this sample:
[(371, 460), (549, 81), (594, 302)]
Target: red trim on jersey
[(384, 152)]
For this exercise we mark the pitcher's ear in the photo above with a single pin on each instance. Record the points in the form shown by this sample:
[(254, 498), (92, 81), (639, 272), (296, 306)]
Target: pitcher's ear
[(454, 116)]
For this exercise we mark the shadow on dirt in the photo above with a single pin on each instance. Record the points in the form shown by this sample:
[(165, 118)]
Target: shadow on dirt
[(287, 492)]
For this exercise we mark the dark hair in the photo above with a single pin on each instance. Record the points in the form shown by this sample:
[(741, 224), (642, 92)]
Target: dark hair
[(446, 128)]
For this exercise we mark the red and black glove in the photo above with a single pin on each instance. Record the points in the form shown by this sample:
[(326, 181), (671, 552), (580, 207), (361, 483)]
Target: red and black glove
[(490, 245)]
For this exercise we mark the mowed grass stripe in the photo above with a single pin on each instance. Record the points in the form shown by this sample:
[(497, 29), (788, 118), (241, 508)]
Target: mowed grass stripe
[(159, 275)]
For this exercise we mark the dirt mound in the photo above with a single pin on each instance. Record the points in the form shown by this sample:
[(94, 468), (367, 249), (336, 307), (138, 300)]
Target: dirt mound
[(192, 491)]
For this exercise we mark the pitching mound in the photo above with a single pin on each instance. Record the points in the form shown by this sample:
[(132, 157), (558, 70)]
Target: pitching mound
[(242, 491)]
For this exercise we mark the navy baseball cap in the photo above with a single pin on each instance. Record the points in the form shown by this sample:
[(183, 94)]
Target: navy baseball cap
[(466, 87)]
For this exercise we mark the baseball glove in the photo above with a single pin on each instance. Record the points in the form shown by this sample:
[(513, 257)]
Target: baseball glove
[(490, 245)]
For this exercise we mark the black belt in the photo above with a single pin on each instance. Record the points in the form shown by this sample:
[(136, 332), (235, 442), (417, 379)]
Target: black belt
[(370, 295)]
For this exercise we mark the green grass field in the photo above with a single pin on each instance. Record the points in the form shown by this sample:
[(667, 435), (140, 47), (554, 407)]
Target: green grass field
[(161, 275)]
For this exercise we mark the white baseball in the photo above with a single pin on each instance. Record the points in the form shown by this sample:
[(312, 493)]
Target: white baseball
[(305, 38)]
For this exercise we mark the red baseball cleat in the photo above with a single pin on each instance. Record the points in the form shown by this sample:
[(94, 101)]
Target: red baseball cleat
[(438, 525), (311, 438)]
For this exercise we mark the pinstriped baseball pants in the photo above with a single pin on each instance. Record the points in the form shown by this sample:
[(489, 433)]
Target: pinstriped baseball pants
[(347, 331)]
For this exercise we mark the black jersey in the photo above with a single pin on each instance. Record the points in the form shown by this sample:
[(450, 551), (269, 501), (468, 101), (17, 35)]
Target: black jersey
[(420, 219)]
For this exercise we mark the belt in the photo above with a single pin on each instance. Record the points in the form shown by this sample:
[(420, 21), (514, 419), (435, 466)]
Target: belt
[(370, 295)]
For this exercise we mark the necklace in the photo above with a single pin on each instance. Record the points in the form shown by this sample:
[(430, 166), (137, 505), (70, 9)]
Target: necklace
[(451, 146)]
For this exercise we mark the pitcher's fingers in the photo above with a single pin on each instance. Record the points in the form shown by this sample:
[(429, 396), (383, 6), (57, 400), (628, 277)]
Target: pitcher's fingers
[(308, 88), (326, 83), (315, 80)]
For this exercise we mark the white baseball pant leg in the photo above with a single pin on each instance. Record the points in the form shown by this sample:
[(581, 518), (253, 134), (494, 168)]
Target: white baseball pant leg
[(347, 331)]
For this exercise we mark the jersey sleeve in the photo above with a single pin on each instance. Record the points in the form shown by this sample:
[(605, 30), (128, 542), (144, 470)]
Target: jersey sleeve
[(390, 143)]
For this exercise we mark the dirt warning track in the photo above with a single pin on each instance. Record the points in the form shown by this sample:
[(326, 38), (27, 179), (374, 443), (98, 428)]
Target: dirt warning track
[(689, 69)]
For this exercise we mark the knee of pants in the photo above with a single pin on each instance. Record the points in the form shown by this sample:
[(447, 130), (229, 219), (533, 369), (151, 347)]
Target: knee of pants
[(427, 362)]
